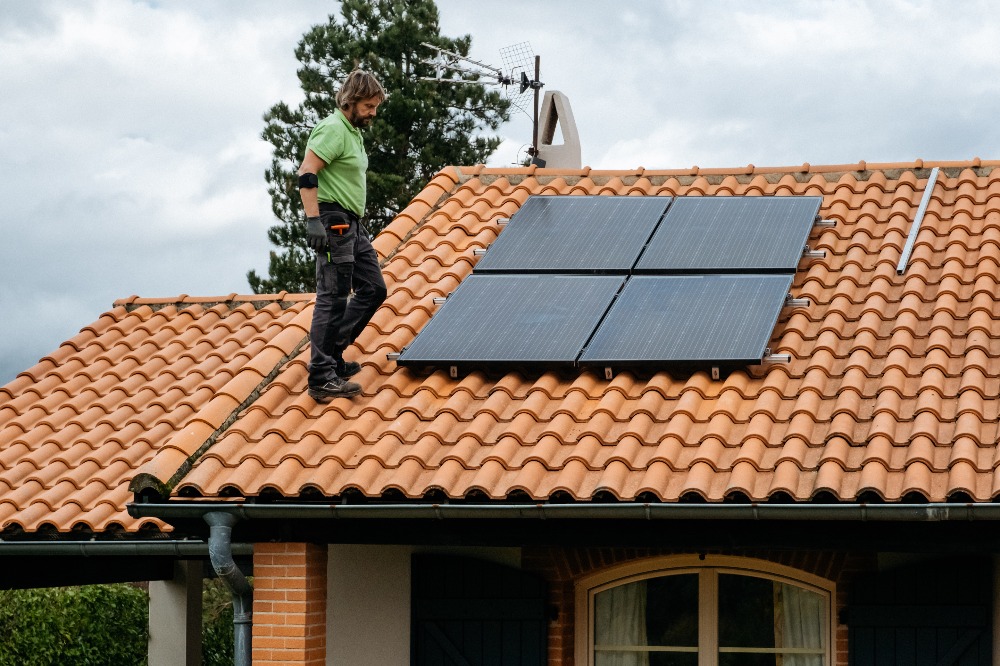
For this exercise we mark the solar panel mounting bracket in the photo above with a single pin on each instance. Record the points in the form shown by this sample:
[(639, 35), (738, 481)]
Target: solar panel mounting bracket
[(810, 253), (609, 374), (715, 372), (791, 302), (439, 300), (502, 221), (820, 222), (392, 356), (772, 359), (453, 371), (479, 251)]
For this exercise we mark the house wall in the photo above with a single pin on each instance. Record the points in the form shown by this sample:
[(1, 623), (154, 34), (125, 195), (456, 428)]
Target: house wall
[(368, 605), (368, 597), (996, 609), (175, 617), (350, 604), (289, 604)]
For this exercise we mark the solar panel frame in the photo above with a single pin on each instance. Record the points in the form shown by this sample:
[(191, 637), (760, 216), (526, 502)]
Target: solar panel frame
[(514, 320), (750, 234), (575, 235), (689, 319)]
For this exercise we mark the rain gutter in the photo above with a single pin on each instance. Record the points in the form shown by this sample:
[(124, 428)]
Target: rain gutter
[(112, 548), (933, 512), (915, 229)]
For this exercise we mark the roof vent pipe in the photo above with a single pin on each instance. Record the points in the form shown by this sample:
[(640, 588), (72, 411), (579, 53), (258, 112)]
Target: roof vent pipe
[(220, 551), (912, 238)]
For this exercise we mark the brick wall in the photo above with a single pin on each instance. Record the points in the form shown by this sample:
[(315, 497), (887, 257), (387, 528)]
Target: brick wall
[(289, 604), (561, 567)]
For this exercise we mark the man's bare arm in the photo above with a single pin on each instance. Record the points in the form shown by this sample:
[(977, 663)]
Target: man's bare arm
[(310, 202)]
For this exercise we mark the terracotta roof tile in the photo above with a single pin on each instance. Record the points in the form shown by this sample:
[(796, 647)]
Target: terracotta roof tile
[(889, 392), (76, 429)]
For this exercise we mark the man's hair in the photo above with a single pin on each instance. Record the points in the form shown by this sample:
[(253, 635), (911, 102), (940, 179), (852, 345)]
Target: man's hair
[(359, 85)]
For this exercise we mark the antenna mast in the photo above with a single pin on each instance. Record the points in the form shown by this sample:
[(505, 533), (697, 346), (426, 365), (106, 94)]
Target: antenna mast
[(447, 64)]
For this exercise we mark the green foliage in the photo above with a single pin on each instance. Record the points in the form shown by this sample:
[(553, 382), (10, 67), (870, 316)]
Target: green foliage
[(422, 127), (91, 625), (217, 639), (98, 625)]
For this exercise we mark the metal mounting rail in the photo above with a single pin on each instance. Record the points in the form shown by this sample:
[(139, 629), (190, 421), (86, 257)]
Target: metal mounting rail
[(912, 238)]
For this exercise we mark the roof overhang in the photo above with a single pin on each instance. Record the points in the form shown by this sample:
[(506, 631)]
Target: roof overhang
[(699, 526), (32, 563)]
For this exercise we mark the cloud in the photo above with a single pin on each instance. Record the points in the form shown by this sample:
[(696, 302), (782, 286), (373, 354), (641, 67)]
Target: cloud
[(132, 155), (130, 129)]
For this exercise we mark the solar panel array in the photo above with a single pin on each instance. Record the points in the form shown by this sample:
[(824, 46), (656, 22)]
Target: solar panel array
[(624, 281), (689, 318), (731, 234), (515, 319), (575, 234)]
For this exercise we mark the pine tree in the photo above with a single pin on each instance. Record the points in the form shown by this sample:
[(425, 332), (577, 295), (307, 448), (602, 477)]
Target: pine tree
[(422, 127)]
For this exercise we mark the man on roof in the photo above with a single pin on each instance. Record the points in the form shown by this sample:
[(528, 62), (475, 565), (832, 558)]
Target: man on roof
[(332, 185)]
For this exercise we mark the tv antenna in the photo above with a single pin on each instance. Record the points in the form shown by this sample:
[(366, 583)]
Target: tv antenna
[(451, 67)]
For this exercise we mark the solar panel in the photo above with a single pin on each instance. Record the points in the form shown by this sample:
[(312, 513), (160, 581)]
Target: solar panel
[(574, 234), (731, 234), (514, 319), (727, 319)]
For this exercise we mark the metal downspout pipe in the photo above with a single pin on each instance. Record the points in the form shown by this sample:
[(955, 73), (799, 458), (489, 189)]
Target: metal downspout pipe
[(220, 552)]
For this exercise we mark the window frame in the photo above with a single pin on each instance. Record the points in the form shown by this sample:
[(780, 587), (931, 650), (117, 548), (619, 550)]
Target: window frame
[(708, 568)]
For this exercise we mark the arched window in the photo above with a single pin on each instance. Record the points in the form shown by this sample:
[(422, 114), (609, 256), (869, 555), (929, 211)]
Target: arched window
[(712, 611)]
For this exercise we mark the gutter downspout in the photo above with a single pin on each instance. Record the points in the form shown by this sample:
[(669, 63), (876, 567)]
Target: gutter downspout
[(220, 551)]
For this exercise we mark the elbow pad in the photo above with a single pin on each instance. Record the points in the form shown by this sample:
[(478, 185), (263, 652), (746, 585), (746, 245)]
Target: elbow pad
[(308, 181)]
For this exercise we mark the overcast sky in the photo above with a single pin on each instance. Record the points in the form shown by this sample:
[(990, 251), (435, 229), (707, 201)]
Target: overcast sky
[(132, 163)]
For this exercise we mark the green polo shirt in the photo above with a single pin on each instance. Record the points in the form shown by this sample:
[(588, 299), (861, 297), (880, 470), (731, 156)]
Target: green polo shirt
[(338, 143)]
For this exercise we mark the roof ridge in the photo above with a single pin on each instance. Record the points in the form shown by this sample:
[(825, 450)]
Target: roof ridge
[(283, 299), (951, 167)]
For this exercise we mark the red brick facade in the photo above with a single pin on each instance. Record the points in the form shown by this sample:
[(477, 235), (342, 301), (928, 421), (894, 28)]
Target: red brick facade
[(290, 582), (289, 605)]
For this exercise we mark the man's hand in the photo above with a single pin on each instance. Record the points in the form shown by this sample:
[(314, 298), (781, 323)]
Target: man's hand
[(316, 234)]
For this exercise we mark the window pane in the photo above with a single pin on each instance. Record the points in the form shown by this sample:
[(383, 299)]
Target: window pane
[(672, 610), (744, 659), (746, 611), (658, 611), (761, 613), (645, 659)]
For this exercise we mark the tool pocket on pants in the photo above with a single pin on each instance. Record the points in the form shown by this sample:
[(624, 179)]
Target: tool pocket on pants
[(335, 279), (341, 235)]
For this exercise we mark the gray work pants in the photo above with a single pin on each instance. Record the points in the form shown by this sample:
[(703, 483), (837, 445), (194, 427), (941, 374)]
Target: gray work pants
[(338, 318)]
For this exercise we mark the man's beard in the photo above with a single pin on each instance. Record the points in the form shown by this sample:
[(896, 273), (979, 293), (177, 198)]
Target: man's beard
[(358, 121)]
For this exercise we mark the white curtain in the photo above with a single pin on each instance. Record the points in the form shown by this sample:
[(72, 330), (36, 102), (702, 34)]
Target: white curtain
[(621, 620), (798, 623)]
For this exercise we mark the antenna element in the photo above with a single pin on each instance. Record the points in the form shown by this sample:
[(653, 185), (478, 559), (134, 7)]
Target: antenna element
[(455, 68)]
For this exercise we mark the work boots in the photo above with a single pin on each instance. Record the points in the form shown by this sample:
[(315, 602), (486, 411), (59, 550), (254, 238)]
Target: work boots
[(335, 388), (347, 369)]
